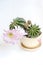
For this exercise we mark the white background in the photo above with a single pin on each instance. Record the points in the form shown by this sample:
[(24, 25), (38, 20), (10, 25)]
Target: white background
[(28, 9)]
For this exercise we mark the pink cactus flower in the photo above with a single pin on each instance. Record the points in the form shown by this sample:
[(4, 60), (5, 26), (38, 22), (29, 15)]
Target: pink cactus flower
[(12, 36)]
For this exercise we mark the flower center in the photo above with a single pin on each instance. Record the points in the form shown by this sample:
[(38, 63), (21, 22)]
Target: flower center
[(10, 35)]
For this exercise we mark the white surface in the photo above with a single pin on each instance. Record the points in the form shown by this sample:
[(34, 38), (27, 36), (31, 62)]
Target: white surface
[(29, 9)]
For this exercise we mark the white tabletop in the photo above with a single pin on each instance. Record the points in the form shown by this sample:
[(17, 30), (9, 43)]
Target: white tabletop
[(28, 9)]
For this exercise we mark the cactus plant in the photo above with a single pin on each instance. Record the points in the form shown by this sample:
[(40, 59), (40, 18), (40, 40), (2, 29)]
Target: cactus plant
[(20, 22), (33, 31), (17, 22)]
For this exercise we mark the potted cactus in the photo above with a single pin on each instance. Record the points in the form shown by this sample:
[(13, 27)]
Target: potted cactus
[(32, 39)]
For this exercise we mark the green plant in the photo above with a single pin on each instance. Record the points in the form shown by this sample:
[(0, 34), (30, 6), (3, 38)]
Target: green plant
[(20, 22), (33, 31), (17, 22)]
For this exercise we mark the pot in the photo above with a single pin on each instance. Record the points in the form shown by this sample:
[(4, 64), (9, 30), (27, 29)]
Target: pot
[(31, 43)]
